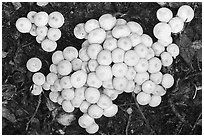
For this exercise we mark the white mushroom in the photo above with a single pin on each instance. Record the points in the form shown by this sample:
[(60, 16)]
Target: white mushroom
[(97, 36), (38, 78), (120, 83), (125, 43), (85, 121), (37, 89), (23, 25), (78, 79), (91, 25), (166, 59), (67, 106), (92, 95), (176, 24), (121, 31), (164, 14), (143, 98), (104, 57), (173, 49), (70, 53), (65, 82), (41, 19), (64, 67), (34, 64), (79, 31), (155, 101), (162, 30), (54, 34), (111, 111), (104, 73), (95, 111), (186, 13), (135, 27), (92, 129), (119, 69), (104, 101), (48, 45), (67, 94), (107, 21), (56, 19), (93, 80), (31, 16), (167, 81)]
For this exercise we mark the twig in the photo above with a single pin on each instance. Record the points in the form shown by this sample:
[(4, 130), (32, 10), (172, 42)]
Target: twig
[(36, 110), (194, 126), (128, 124)]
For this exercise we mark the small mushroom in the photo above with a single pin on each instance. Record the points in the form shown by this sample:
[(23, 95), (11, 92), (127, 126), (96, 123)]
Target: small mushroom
[(41, 19), (186, 13), (176, 24), (143, 98), (56, 19), (95, 111), (164, 14), (92, 95), (34, 64), (48, 45), (23, 25), (107, 21), (38, 78)]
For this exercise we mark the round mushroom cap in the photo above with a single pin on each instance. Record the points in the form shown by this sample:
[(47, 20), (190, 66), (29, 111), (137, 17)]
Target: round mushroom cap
[(143, 98), (110, 44), (79, 31), (95, 111), (131, 58), (111, 111), (64, 67), (159, 91), (48, 45), (67, 106), (91, 25), (56, 19), (65, 82), (92, 95), (112, 93), (85, 121), (68, 93), (141, 50), (121, 31), (165, 42), (155, 65), (142, 65), (33, 30), (76, 64), (173, 49), (84, 106), (92, 64), (167, 80), (104, 57), (164, 14), (57, 56), (42, 4), (148, 86), (125, 43), (162, 30), (93, 81), (141, 77), (104, 101), (31, 16), (156, 77), (107, 21), (93, 50), (104, 73), (38, 78), (37, 89), (119, 69), (135, 39), (51, 78), (186, 13), (97, 36), (146, 40), (118, 55), (53, 96), (120, 83), (42, 31), (135, 27), (176, 24), (39, 39), (54, 34), (78, 79), (23, 25), (155, 101), (70, 53), (130, 86), (120, 22), (41, 19), (92, 129), (34, 64), (166, 59)]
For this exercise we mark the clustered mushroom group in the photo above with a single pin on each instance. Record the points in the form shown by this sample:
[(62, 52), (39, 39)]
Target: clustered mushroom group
[(116, 57)]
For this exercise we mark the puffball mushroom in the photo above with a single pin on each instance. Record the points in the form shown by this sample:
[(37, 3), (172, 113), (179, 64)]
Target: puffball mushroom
[(104, 73), (119, 69), (48, 45), (64, 67), (92, 129), (93, 50), (95, 111), (42, 31), (23, 25), (91, 25), (173, 49), (85, 121), (112, 93), (120, 83), (31, 15), (125, 43), (167, 80), (54, 34), (155, 101), (141, 77), (92, 95), (67, 106), (93, 81), (76, 64), (56, 19), (146, 40), (111, 111), (155, 65), (34, 64), (162, 30), (142, 65), (67, 94), (121, 31), (148, 86), (164, 14), (104, 101), (110, 44), (70, 53), (79, 31), (41, 19), (53, 96), (37, 89), (186, 13), (51, 78), (166, 59), (117, 55), (57, 56), (38, 78), (84, 106), (107, 21), (97, 36), (143, 98), (135, 27), (65, 82), (176, 24), (78, 78), (131, 58), (92, 64)]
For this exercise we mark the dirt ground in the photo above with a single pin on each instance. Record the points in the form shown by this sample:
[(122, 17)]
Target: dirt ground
[(180, 112)]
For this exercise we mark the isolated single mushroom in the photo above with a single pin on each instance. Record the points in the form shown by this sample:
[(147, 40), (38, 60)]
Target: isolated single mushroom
[(95, 111), (143, 98), (104, 101), (79, 31), (54, 34), (78, 79), (173, 49), (36, 89), (23, 25), (162, 30), (148, 86), (34, 64), (48, 45), (93, 80), (176, 24), (64, 67), (41, 19), (56, 19), (164, 14), (92, 129), (111, 111), (104, 73), (107, 21), (38, 78), (97, 35), (135, 27), (92, 95), (141, 77), (31, 16), (167, 80), (67, 106), (85, 121), (155, 101), (91, 25), (186, 13)]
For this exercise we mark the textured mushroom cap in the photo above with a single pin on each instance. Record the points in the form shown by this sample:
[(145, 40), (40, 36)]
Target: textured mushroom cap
[(41, 19), (34, 64), (54, 34), (48, 45), (56, 19), (162, 30), (23, 25), (107, 21), (135, 27), (85, 121), (186, 13), (91, 25), (97, 36), (111, 111), (164, 14), (95, 111), (167, 81), (79, 31), (176, 24), (38, 78), (92, 129), (155, 101), (143, 98)]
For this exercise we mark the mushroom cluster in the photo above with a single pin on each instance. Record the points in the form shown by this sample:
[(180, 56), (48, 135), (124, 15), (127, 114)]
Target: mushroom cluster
[(45, 27), (115, 57)]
